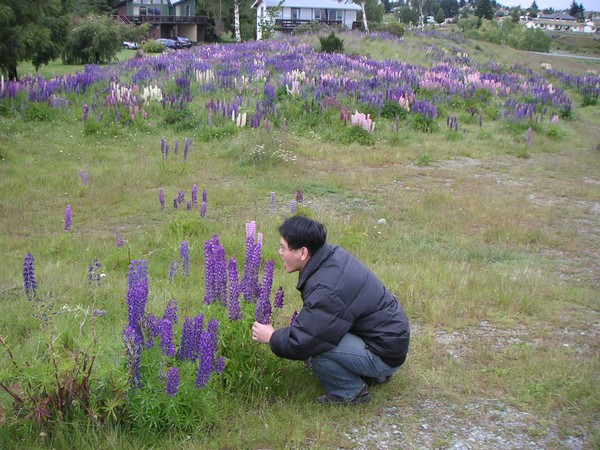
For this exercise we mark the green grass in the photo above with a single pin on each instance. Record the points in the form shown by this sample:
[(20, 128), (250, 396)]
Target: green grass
[(492, 253)]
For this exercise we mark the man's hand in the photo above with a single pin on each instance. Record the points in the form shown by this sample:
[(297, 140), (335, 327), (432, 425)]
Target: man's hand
[(262, 333)]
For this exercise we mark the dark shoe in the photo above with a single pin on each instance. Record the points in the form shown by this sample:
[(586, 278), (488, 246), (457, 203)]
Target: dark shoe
[(363, 396), (370, 381)]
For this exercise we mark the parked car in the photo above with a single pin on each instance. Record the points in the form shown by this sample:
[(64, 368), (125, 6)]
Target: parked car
[(183, 41), (131, 45), (169, 43)]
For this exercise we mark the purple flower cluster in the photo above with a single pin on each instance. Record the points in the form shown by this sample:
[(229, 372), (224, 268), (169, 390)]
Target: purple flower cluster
[(250, 286), (29, 277), (215, 271), (172, 381), (166, 338), (137, 295), (171, 311), (84, 176), (161, 198), (119, 240), (184, 255), (94, 277), (279, 297), (263, 306), (235, 312), (133, 350), (195, 195), (209, 361), (68, 218), (190, 338)]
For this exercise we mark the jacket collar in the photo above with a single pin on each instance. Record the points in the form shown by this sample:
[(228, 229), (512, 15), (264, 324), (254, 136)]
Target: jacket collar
[(313, 264)]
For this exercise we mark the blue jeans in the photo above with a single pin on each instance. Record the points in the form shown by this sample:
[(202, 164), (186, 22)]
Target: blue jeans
[(340, 370)]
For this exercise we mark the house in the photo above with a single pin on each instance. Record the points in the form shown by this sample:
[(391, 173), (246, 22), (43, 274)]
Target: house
[(288, 14), (561, 22), (168, 18)]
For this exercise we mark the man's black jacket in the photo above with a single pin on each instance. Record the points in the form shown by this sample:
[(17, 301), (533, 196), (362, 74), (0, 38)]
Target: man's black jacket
[(342, 296)]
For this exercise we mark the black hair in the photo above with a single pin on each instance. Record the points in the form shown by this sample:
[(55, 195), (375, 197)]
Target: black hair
[(300, 231)]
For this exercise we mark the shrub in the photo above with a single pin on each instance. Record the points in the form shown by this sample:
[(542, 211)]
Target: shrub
[(331, 44), (39, 112), (423, 161), (357, 134), (395, 28), (391, 110), (153, 46)]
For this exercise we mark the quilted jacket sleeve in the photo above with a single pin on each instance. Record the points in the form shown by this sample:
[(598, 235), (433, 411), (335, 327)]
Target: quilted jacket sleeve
[(320, 326)]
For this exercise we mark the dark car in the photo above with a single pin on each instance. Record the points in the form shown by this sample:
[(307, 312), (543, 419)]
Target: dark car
[(169, 43), (183, 41)]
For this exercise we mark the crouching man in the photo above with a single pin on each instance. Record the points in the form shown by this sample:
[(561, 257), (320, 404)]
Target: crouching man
[(351, 331)]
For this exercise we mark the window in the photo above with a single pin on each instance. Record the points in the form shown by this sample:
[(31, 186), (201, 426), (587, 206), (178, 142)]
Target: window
[(320, 14), (338, 15), (187, 10), (295, 13)]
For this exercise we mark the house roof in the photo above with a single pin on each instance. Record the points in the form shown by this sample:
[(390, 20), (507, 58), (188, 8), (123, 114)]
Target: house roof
[(558, 16), (322, 4)]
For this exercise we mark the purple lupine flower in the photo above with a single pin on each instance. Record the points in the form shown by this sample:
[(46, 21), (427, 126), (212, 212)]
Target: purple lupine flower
[(278, 302), (272, 201), (206, 355), (204, 196), (189, 340), (251, 230), (163, 143), (176, 148), (181, 197), (235, 312), (98, 312), (86, 110), (203, 210), (219, 365), (293, 318), (250, 285), (171, 311), (133, 351), (184, 255), (172, 381), (137, 295), (84, 176), (186, 149), (93, 275), (119, 240), (68, 218), (152, 328), (293, 207), (161, 198), (195, 195), (173, 270), (216, 271), (29, 277), (166, 338), (175, 203), (263, 306)]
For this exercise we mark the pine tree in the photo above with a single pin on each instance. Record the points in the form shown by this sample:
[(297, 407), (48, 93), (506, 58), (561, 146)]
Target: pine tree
[(484, 10)]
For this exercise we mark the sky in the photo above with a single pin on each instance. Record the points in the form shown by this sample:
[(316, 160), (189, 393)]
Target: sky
[(589, 5)]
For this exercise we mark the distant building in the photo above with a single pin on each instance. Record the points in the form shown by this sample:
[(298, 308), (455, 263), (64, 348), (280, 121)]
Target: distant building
[(561, 22), (168, 18), (298, 12)]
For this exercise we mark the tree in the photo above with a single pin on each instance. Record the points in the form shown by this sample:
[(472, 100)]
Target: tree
[(450, 7), (95, 40), (440, 16), (484, 10), (515, 14), (84, 8), (31, 31), (407, 16), (533, 9)]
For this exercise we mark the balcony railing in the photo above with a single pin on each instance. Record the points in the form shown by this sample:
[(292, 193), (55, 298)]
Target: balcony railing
[(201, 20), (290, 24)]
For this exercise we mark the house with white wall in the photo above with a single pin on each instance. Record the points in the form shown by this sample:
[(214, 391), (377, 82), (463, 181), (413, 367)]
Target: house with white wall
[(289, 14)]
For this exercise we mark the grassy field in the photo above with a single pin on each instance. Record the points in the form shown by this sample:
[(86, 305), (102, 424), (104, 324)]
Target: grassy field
[(491, 244)]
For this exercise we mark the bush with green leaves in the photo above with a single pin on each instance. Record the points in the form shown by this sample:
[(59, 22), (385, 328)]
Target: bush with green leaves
[(95, 40), (152, 46), (331, 43)]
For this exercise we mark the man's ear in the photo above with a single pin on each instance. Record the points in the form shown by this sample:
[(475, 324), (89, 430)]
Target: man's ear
[(304, 254)]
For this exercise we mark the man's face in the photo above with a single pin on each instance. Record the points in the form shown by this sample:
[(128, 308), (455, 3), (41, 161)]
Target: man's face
[(293, 260)]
